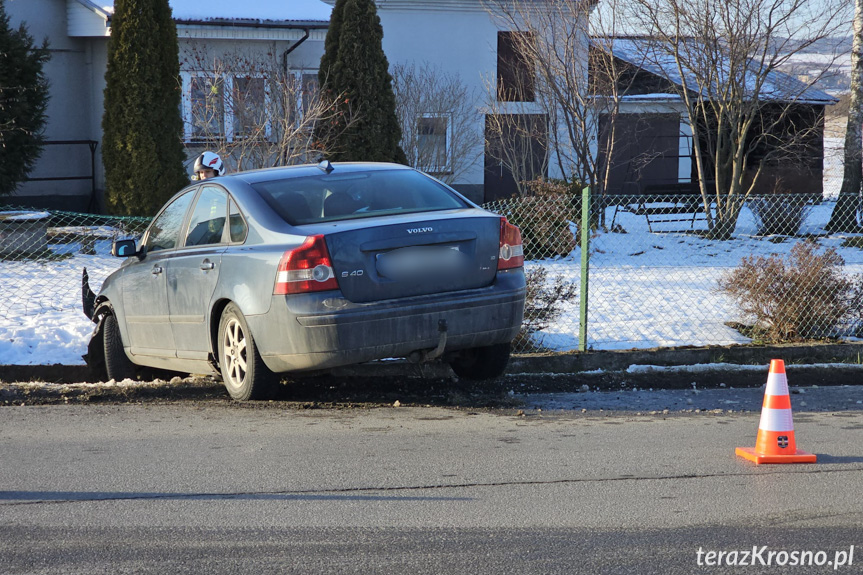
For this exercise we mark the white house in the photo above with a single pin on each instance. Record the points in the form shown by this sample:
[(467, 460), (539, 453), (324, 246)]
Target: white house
[(459, 37), (78, 32)]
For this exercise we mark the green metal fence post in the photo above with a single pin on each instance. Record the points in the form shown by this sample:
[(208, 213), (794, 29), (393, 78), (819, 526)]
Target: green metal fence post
[(585, 268)]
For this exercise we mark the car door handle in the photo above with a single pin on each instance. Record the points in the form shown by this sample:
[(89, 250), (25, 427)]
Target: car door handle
[(207, 265), (156, 270)]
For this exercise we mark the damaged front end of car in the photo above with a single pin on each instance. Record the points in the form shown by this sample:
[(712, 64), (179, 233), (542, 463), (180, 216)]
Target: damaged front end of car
[(95, 356)]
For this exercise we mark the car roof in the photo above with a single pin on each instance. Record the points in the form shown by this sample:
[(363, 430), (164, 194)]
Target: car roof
[(268, 174)]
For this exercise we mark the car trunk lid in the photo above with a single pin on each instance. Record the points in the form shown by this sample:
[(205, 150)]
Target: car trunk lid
[(417, 256)]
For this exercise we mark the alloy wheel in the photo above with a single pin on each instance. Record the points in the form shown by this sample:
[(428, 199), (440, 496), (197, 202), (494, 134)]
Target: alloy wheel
[(234, 353)]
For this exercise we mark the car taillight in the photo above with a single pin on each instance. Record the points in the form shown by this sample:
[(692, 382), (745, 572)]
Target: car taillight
[(511, 251), (307, 268)]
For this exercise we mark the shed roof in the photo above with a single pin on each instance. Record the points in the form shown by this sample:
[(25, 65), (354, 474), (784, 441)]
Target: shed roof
[(647, 54)]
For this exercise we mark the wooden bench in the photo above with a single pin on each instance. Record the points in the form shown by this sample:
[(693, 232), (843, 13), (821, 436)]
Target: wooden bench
[(675, 202)]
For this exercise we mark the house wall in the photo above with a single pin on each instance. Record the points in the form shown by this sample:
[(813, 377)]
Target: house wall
[(458, 38), (74, 72), (635, 122), (204, 50), (78, 42)]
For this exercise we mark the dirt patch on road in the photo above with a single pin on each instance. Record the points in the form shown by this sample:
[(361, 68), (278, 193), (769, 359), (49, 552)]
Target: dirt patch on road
[(370, 389), (310, 393)]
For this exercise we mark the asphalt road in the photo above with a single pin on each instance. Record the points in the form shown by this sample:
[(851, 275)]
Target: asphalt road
[(214, 487)]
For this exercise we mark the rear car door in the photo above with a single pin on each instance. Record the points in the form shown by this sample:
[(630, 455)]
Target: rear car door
[(194, 271), (145, 296)]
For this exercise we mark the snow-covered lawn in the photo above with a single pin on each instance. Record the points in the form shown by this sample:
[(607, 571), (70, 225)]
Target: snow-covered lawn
[(659, 290), (41, 321), (646, 290)]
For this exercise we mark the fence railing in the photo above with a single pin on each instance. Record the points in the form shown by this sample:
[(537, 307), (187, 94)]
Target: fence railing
[(92, 204), (624, 272), (670, 271), (42, 255)]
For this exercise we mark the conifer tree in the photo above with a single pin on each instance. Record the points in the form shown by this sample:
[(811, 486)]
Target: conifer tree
[(142, 128), (354, 67), (23, 100)]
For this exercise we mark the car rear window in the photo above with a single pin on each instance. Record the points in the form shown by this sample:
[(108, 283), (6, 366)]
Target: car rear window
[(352, 195)]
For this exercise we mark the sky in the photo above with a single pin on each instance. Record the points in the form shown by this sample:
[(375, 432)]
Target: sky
[(613, 13)]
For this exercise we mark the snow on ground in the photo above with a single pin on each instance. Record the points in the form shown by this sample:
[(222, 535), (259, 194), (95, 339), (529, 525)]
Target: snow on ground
[(41, 321), (659, 290), (646, 290)]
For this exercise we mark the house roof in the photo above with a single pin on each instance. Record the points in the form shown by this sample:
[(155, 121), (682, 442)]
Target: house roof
[(646, 54), (228, 11)]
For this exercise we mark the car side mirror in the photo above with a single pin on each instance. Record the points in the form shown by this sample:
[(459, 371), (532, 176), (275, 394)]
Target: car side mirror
[(124, 248)]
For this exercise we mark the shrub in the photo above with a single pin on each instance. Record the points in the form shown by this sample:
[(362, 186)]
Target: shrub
[(779, 213), (354, 64), (544, 214), (142, 148), (543, 303), (805, 297)]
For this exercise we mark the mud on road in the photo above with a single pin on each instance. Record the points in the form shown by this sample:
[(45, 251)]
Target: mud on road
[(399, 384)]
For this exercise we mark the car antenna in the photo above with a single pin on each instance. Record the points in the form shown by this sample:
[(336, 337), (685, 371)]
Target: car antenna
[(326, 166)]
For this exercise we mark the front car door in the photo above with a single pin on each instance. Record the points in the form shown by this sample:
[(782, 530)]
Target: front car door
[(194, 273), (145, 295)]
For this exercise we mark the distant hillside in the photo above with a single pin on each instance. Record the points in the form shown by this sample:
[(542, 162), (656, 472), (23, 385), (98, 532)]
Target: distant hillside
[(837, 45), (827, 62)]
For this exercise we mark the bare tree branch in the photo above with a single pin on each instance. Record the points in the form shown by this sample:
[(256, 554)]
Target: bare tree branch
[(573, 83), (438, 121), (253, 112), (724, 57)]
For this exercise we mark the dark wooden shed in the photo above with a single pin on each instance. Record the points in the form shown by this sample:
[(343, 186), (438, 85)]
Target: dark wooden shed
[(652, 150)]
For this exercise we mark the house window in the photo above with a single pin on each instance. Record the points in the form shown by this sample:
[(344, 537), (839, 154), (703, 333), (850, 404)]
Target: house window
[(433, 143), (225, 107), (205, 114), (305, 90), (515, 71), (249, 107)]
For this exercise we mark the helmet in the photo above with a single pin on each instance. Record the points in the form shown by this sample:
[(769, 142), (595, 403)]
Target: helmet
[(211, 161)]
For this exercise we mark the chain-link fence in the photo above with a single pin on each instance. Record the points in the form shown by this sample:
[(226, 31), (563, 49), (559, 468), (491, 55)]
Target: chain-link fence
[(42, 255), (660, 273), (663, 272)]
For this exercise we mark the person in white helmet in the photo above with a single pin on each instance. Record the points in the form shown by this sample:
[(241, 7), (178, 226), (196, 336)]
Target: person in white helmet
[(209, 165)]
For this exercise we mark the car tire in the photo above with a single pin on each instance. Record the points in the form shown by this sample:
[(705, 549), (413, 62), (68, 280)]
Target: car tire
[(117, 363), (482, 362), (243, 371)]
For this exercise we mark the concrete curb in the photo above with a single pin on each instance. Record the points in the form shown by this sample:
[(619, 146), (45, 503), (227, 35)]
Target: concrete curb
[(562, 363), (850, 353)]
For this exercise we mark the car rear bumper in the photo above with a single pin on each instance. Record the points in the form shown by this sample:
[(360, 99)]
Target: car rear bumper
[(322, 331)]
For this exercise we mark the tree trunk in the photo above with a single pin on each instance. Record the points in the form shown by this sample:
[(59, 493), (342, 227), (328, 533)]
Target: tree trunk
[(844, 216)]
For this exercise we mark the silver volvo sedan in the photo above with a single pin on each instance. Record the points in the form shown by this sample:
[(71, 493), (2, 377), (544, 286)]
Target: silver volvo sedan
[(307, 268)]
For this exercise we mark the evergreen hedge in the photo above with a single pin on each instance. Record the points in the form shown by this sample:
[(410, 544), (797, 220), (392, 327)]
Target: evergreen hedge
[(355, 68), (142, 147), (23, 100)]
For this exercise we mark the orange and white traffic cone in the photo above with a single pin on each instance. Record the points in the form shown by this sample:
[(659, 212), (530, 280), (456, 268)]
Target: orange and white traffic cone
[(775, 443)]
